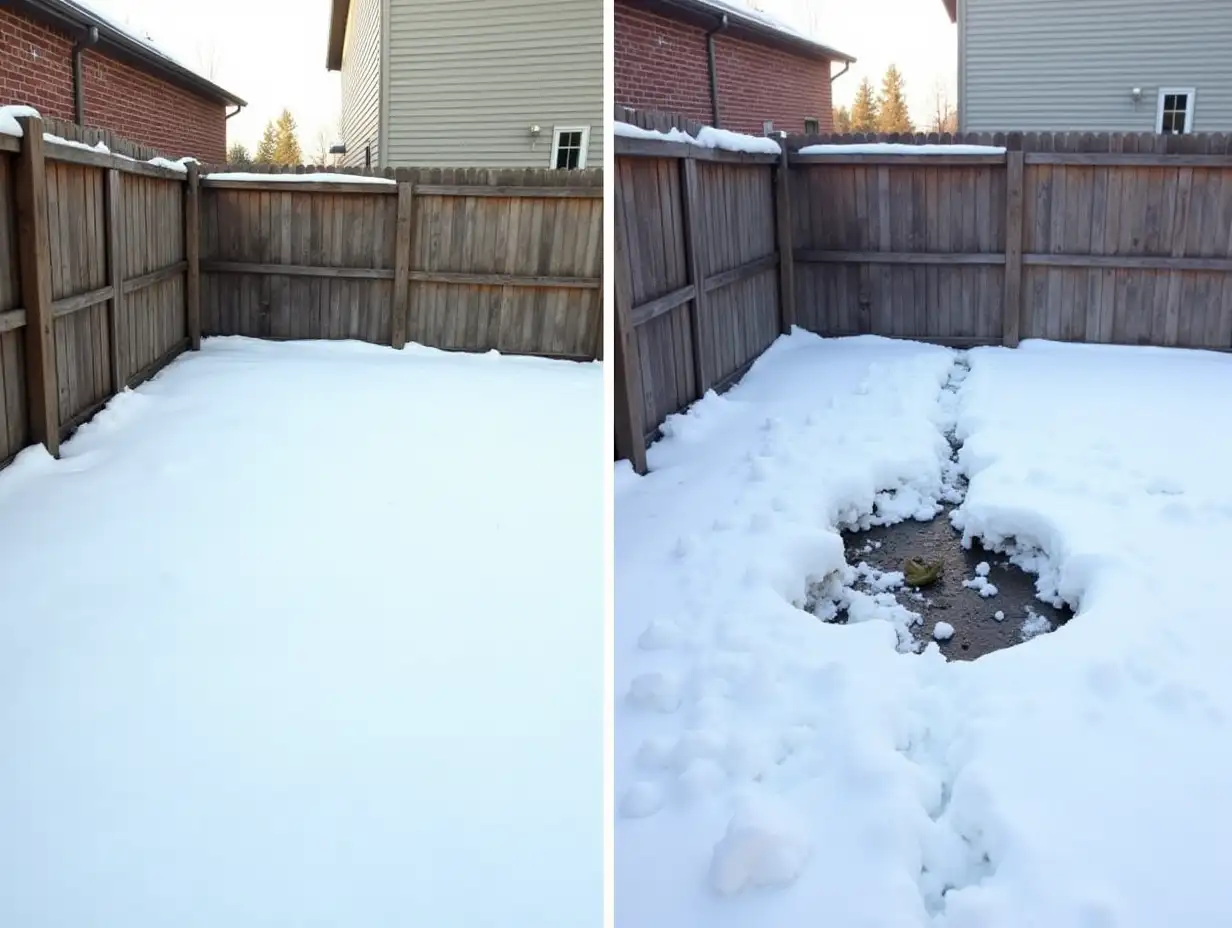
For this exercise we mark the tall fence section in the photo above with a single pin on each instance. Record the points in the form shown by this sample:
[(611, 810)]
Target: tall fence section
[(1116, 239), (112, 267)]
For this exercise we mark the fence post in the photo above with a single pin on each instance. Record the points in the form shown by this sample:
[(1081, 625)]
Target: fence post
[(629, 412), (782, 216), (34, 247), (693, 259), (192, 251), (1012, 307), (403, 243), (115, 274)]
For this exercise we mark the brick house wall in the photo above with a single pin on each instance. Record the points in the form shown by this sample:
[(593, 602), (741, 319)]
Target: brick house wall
[(661, 64), (36, 68)]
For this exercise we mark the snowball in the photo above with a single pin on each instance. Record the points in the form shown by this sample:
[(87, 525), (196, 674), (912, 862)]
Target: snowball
[(981, 569), (764, 846), (999, 615), (943, 631)]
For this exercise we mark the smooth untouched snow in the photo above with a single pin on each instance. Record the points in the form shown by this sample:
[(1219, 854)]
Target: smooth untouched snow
[(309, 634), (9, 115), (325, 177), (807, 773)]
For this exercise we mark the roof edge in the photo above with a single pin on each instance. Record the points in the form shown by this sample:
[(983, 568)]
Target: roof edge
[(339, 10), (115, 42), (951, 7), (748, 27)]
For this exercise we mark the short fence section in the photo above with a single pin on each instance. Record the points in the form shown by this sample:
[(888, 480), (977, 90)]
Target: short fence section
[(112, 267), (1123, 239)]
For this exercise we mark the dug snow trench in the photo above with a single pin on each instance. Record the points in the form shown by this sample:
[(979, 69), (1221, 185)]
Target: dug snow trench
[(772, 769)]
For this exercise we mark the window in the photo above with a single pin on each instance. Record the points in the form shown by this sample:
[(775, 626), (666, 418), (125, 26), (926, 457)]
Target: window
[(812, 127), (1176, 110), (569, 144)]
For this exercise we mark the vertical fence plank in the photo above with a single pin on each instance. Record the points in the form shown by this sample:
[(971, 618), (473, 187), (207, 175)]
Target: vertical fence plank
[(782, 219), (692, 248), (192, 252), (34, 246), (403, 247), (115, 274), (1012, 308), (630, 417)]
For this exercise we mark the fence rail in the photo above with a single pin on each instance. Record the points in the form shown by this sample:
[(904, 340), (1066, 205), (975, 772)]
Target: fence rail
[(115, 266), (1069, 236)]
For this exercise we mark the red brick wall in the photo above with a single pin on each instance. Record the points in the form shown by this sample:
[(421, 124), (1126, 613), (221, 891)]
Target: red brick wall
[(36, 68), (661, 64)]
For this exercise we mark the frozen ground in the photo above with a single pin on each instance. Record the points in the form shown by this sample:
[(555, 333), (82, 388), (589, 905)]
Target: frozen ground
[(775, 770), (308, 634)]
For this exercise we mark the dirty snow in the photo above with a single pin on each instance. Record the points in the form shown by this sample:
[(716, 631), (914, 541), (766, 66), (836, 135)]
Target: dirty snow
[(309, 634), (805, 773), (707, 137)]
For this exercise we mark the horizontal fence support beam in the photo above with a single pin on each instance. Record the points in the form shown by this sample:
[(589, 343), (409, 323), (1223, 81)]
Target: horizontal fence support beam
[(904, 160), (1130, 262), (1127, 160), (805, 256), (133, 284), (73, 304), (743, 272), (661, 148), (664, 304), (71, 154), (506, 280), (12, 319), (297, 270), (10, 143), (478, 190)]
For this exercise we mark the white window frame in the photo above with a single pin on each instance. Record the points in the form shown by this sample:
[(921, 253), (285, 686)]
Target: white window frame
[(558, 131), (1191, 95)]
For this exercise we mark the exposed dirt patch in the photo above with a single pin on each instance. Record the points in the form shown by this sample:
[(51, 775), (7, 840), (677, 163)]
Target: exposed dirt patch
[(977, 631)]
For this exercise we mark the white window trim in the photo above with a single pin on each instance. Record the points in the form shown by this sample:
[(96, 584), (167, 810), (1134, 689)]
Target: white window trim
[(557, 131), (1192, 95)]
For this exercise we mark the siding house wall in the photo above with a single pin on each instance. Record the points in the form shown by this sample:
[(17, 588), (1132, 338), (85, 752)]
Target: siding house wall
[(1071, 64), (361, 82), (468, 78)]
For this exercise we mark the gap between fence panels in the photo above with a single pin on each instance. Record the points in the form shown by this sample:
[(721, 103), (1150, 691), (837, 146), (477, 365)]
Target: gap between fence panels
[(1054, 236)]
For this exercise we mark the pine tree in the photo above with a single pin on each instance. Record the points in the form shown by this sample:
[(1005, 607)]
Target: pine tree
[(269, 141), (842, 119), (238, 154), (864, 108), (286, 145), (892, 113)]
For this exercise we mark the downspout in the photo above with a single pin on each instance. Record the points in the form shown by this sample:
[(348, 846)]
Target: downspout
[(846, 68), (79, 83), (238, 107), (714, 74)]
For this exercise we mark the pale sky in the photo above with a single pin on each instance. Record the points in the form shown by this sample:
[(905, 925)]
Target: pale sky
[(272, 52), (268, 52)]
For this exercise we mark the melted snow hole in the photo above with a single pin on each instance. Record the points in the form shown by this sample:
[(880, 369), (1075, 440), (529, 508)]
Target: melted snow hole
[(980, 602)]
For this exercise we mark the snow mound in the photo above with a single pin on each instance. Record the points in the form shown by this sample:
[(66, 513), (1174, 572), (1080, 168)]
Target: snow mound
[(323, 177), (708, 137), (9, 115), (764, 846)]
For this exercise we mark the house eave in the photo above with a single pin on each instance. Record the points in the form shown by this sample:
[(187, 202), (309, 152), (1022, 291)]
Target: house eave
[(951, 7), (75, 21), (338, 12)]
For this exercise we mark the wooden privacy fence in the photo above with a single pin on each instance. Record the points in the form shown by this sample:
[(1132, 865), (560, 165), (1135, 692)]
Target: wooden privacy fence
[(111, 267), (1121, 239), (465, 259)]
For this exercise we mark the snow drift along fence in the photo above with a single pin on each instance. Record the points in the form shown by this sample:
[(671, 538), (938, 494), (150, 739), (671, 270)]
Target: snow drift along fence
[(467, 259), (1122, 239), (94, 286)]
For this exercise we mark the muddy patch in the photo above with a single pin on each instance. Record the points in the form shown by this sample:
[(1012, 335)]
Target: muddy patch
[(961, 597)]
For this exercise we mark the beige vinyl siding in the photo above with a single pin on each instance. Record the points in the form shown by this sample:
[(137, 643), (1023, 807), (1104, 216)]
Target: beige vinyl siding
[(1071, 64), (361, 82), (468, 78)]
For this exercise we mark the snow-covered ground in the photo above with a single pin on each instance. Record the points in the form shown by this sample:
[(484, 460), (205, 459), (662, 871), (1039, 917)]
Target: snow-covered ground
[(778, 771), (309, 634)]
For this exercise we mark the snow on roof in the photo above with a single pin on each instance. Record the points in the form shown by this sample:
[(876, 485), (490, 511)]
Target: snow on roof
[(769, 22), (708, 137), (92, 8)]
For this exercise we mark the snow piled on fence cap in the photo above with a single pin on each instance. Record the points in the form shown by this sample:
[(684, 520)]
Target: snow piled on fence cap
[(898, 148), (321, 178), (9, 116), (708, 137)]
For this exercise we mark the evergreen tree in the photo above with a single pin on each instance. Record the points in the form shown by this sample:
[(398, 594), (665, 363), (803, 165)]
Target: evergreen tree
[(842, 119), (892, 113), (864, 108), (269, 142), (238, 154), (286, 145)]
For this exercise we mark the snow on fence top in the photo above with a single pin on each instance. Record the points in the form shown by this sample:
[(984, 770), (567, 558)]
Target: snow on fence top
[(9, 116), (896, 148), (320, 178), (708, 137), (9, 126)]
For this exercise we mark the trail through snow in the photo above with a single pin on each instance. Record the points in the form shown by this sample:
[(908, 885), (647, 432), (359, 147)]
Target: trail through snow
[(777, 770)]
